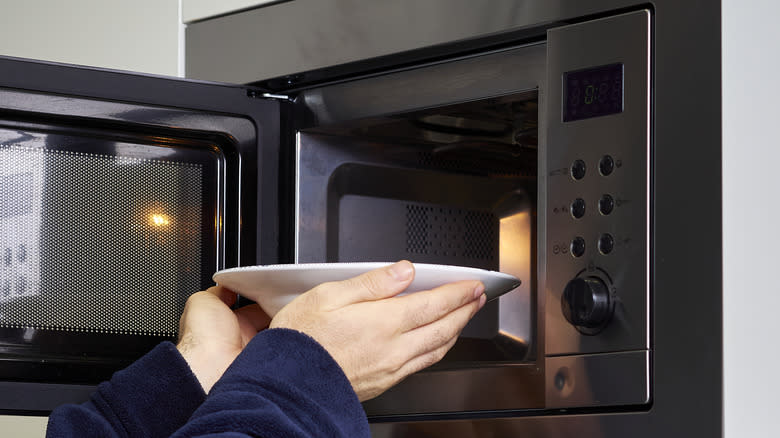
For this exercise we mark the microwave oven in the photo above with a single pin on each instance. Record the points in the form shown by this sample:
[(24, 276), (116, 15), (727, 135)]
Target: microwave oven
[(533, 155)]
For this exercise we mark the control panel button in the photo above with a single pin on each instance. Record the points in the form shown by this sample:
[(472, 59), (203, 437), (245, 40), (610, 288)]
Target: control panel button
[(606, 243), (578, 208), (587, 305), (577, 246), (606, 204), (606, 165), (578, 169)]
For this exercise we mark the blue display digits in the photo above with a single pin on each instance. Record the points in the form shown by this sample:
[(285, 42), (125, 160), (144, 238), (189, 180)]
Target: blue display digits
[(592, 92)]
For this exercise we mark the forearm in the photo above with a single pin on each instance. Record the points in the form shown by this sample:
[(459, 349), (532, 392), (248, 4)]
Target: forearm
[(152, 397), (283, 384)]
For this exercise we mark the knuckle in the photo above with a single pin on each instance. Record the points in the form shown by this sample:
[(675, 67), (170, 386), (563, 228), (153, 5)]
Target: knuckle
[(372, 282), (467, 291), (396, 362), (435, 306), (416, 314), (195, 297), (440, 336), (432, 358)]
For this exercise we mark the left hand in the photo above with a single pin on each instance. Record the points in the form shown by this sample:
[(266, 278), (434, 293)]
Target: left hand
[(211, 334)]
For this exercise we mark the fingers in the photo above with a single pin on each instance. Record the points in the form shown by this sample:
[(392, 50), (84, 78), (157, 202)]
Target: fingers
[(422, 308), (252, 317), (225, 295), (373, 285), (425, 360), (431, 337)]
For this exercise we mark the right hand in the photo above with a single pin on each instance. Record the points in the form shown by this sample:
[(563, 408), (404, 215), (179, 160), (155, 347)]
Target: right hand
[(377, 338)]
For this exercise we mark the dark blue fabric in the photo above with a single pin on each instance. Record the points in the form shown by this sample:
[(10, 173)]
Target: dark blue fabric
[(151, 398), (284, 384)]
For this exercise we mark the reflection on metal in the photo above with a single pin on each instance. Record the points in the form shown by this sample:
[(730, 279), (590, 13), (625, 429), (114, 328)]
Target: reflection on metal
[(22, 175), (516, 249), (608, 379)]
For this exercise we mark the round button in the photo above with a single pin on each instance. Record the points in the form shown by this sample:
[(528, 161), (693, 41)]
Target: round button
[(606, 204), (578, 208), (577, 246), (606, 165), (586, 304), (578, 169), (606, 243)]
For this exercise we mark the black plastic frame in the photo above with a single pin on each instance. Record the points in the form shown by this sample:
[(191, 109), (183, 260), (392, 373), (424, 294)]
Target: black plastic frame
[(157, 109)]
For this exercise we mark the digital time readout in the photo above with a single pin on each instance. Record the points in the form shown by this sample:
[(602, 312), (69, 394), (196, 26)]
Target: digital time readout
[(593, 92)]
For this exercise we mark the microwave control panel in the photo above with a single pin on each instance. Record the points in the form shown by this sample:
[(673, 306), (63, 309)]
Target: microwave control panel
[(598, 211)]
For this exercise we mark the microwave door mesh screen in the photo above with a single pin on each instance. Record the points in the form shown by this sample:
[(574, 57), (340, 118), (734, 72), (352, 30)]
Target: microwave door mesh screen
[(97, 243)]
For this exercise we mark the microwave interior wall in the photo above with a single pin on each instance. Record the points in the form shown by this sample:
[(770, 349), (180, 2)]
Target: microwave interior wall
[(453, 185), (451, 180)]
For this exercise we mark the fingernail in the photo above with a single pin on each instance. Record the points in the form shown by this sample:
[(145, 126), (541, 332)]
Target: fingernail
[(401, 271), (482, 300), (479, 290)]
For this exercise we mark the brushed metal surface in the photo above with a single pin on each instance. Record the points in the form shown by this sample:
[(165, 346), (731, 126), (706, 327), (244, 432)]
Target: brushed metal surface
[(305, 35), (612, 379), (686, 319), (459, 80), (626, 138), (686, 207)]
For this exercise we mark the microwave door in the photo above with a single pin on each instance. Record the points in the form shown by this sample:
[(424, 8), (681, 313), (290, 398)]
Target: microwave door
[(120, 195)]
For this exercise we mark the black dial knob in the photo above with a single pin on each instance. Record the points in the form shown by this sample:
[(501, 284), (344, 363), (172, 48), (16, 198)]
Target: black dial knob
[(587, 305)]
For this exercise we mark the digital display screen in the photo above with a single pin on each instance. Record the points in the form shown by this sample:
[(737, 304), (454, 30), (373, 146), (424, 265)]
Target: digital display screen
[(593, 92)]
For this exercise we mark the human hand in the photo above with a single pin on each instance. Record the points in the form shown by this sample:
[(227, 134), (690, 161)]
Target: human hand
[(379, 339), (211, 334)]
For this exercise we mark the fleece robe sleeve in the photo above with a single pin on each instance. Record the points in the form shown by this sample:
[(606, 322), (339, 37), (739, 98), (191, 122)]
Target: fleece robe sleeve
[(153, 397), (284, 384)]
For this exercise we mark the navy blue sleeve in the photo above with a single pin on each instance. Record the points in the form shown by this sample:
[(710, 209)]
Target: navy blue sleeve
[(153, 397), (284, 384)]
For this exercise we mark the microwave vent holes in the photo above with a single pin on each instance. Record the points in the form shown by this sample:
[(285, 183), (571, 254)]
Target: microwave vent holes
[(451, 234)]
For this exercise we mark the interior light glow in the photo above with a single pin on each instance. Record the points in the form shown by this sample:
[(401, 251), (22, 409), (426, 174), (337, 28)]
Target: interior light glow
[(159, 220)]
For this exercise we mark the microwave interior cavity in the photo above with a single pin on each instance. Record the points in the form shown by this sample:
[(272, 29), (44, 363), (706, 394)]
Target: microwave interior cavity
[(451, 185)]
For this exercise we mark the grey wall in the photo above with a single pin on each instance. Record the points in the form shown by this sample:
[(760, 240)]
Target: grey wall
[(751, 239), (138, 35)]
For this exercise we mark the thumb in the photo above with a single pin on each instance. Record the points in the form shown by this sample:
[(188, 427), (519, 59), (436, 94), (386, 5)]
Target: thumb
[(374, 285)]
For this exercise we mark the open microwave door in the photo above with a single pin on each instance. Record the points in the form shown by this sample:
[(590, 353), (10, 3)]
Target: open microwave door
[(120, 195)]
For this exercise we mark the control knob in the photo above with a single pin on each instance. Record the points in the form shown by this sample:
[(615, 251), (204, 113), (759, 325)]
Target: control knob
[(587, 304)]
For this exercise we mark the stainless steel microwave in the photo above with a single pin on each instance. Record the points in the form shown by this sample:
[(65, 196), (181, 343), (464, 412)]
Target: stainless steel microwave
[(532, 153)]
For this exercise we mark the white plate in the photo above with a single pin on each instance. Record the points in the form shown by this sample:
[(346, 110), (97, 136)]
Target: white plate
[(273, 286)]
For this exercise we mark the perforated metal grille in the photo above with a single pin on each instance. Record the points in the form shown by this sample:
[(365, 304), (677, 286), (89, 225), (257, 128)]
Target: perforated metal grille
[(451, 232), (97, 243)]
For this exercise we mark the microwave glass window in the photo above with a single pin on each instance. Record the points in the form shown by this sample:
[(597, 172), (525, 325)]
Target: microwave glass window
[(593, 92), (101, 237)]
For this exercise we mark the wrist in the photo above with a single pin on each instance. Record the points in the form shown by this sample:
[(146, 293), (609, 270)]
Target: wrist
[(206, 364)]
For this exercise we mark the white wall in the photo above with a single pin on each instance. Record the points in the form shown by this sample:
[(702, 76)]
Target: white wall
[(751, 217), (137, 35)]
